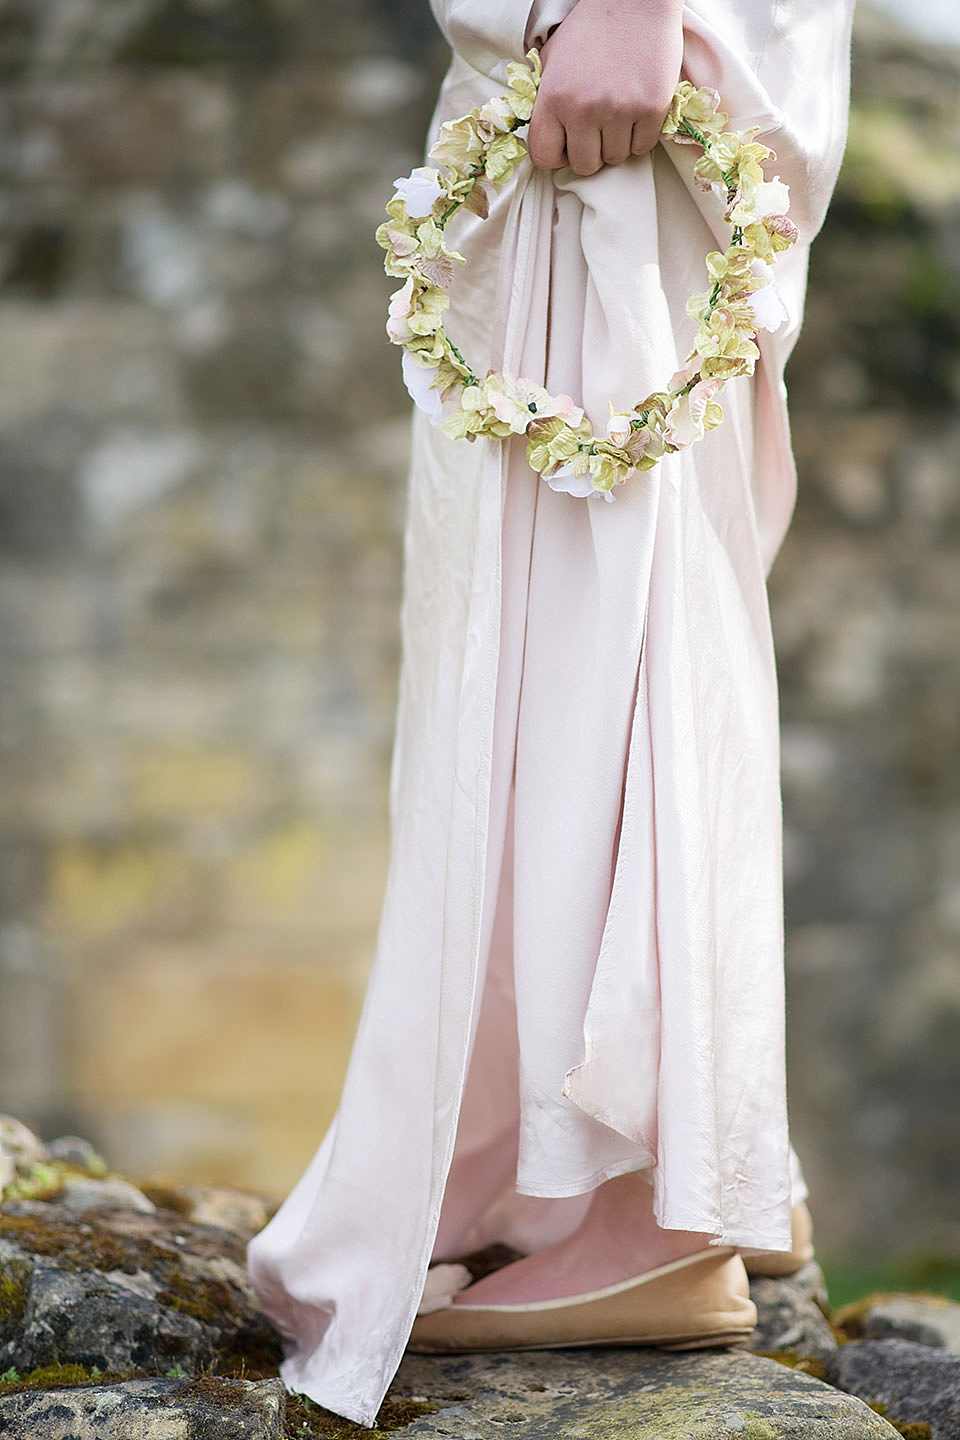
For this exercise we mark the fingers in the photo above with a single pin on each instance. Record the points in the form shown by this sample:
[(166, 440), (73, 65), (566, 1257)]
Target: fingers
[(609, 73), (585, 146), (547, 140), (645, 136), (584, 149), (617, 141)]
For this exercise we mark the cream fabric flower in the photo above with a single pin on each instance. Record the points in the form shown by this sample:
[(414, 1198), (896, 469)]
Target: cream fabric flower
[(442, 1283), (420, 191), (419, 382)]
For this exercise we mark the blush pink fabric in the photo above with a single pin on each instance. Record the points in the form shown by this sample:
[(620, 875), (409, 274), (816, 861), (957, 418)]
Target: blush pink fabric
[(579, 968)]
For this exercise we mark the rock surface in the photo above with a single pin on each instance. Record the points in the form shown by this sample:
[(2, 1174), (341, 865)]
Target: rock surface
[(630, 1395), (213, 1409), (915, 1383), (789, 1316), (118, 1289), (83, 1192), (925, 1319), (238, 1210), (18, 1143), (123, 1317)]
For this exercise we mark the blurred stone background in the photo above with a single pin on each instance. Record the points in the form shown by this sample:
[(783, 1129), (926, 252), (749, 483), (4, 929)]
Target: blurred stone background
[(202, 458)]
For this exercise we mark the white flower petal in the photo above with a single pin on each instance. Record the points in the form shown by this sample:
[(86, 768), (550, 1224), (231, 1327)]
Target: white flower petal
[(682, 429), (442, 1283), (771, 197), (767, 304), (419, 382), (398, 313), (419, 191), (618, 429), (768, 308), (581, 487)]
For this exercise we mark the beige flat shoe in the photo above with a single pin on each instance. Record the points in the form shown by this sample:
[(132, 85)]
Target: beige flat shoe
[(691, 1303), (779, 1263)]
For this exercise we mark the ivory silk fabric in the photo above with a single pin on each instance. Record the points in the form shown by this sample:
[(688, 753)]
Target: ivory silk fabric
[(579, 966)]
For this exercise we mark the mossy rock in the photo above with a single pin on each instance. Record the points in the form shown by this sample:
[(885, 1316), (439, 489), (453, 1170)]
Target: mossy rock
[(304, 1418), (15, 1272), (910, 1429), (610, 1394), (120, 1289), (153, 1408), (56, 1377)]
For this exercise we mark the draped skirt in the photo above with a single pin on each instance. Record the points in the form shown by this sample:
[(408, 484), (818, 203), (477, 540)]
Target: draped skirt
[(579, 969)]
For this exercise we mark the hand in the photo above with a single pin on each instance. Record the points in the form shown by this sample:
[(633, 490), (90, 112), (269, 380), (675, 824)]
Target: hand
[(609, 74)]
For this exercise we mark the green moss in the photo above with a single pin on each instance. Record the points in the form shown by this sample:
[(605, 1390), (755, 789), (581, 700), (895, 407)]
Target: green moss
[(808, 1364), (306, 1419), (45, 1179), (88, 1243), (206, 1300), (57, 1377), (249, 1366), (909, 1429), (40, 1181), (76, 1245), (218, 1390), (757, 1427), (14, 1288), (849, 1320)]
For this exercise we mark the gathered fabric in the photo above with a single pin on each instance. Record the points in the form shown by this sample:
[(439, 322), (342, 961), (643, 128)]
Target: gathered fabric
[(579, 968)]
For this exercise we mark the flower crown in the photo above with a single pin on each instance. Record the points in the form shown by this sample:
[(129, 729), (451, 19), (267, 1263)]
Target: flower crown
[(562, 446)]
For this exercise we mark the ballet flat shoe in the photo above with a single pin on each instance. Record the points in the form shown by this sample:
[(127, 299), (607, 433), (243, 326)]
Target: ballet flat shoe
[(695, 1302), (778, 1263)]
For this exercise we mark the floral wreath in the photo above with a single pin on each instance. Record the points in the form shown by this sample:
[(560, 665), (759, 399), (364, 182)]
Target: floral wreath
[(562, 446)]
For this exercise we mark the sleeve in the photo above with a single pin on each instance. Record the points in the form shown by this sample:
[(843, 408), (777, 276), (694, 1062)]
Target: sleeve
[(486, 33), (543, 17)]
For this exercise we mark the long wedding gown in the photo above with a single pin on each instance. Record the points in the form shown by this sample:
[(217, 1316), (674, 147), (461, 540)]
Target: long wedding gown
[(579, 966)]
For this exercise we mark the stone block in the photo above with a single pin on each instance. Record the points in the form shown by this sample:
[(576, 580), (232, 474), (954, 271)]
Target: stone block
[(148, 1410), (629, 1395), (82, 1192), (102, 889), (233, 1069), (192, 1005), (788, 1318), (924, 1319), (297, 877), (94, 360), (171, 783), (120, 1290), (914, 1383)]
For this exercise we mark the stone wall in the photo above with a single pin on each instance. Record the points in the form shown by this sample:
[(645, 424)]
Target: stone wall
[(865, 595), (202, 453), (201, 487)]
